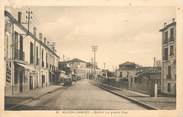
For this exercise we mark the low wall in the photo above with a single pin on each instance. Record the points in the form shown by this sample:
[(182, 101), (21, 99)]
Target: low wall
[(121, 83)]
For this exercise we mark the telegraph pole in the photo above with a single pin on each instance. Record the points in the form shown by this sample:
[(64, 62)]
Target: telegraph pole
[(105, 70), (104, 65), (94, 49)]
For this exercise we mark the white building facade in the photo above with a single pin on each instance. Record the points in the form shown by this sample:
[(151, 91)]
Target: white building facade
[(30, 60)]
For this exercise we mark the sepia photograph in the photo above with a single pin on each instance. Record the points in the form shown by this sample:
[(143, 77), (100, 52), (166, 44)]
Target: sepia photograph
[(89, 58)]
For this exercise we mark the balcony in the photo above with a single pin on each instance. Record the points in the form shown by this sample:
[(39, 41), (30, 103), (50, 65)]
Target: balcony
[(19, 55), (165, 58), (168, 76), (172, 39), (165, 42)]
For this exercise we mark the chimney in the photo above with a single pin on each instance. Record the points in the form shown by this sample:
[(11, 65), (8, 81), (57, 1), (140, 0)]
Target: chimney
[(165, 24), (44, 40), (173, 19), (40, 36), (34, 31), (19, 17)]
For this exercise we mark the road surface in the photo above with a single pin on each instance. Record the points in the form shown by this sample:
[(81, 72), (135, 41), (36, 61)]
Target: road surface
[(81, 96)]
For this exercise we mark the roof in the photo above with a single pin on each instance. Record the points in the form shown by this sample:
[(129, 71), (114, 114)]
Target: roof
[(29, 33), (77, 60), (127, 63), (88, 64), (130, 63), (167, 26)]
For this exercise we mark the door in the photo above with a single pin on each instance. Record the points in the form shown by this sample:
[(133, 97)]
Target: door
[(20, 81), (43, 80), (31, 83)]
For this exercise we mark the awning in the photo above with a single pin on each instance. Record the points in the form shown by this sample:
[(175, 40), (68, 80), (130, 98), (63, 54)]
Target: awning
[(26, 66)]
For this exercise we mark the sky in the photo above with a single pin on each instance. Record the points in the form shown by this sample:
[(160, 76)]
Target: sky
[(121, 33)]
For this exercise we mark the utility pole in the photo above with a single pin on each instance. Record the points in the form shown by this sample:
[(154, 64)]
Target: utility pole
[(94, 49), (154, 63), (104, 65), (105, 70)]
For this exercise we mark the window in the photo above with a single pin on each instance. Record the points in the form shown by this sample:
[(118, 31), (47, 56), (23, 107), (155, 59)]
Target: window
[(127, 74), (16, 45), (16, 77), (37, 59), (21, 43), (31, 53), (171, 34), (42, 58), (165, 54), (169, 72), (171, 50), (169, 87), (16, 40), (46, 60), (31, 83), (21, 54), (166, 37), (43, 79), (121, 75)]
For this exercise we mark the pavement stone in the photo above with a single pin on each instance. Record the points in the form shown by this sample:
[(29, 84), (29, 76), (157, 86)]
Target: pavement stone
[(15, 100)]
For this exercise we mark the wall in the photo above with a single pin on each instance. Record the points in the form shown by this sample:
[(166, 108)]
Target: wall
[(145, 84)]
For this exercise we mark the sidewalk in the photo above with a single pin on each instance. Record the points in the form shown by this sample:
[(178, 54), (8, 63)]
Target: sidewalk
[(13, 101), (158, 103)]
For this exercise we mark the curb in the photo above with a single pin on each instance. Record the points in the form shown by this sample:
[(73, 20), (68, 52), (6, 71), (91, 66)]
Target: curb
[(36, 97), (150, 107), (32, 98)]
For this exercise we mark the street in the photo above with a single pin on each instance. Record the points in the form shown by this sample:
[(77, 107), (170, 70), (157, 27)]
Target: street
[(81, 96)]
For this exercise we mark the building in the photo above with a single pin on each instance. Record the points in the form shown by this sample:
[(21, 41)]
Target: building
[(168, 76), (127, 70), (31, 62), (78, 67)]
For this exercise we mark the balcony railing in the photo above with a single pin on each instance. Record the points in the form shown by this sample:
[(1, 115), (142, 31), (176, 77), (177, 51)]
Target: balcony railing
[(166, 41), (165, 58), (19, 55), (169, 40), (168, 76)]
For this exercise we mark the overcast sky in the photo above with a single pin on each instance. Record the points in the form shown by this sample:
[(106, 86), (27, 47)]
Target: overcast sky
[(121, 33)]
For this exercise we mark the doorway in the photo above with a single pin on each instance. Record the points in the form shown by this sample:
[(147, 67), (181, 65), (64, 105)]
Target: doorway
[(31, 83), (43, 80), (20, 81)]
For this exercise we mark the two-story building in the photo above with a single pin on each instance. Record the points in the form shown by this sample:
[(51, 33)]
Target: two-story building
[(78, 67)]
